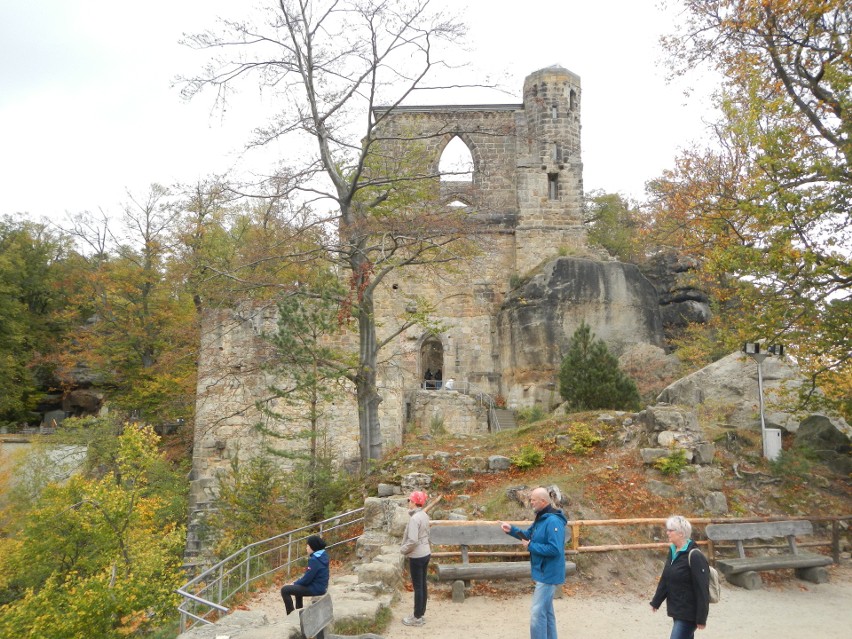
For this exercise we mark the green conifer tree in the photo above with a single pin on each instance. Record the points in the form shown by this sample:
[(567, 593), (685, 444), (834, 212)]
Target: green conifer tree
[(590, 378)]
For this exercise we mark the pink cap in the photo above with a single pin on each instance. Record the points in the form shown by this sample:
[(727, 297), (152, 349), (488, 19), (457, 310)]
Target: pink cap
[(418, 497)]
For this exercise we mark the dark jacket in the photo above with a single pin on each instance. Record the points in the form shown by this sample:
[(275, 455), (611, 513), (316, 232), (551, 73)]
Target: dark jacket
[(547, 545), (315, 578), (685, 588)]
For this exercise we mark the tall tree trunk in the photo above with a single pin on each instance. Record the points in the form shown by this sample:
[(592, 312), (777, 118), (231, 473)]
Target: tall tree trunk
[(365, 381)]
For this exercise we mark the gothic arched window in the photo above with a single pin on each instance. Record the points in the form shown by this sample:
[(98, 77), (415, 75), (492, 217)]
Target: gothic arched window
[(456, 164)]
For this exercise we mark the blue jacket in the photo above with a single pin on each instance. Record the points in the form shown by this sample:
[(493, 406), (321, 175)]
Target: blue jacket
[(547, 545), (315, 578)]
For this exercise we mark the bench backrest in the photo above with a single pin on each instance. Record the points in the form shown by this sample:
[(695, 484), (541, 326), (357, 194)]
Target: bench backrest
[(470, 535), (476, 534), (758, 530), (316, 617)]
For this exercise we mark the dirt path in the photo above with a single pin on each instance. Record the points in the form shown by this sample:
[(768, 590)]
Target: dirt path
[(787, 609)]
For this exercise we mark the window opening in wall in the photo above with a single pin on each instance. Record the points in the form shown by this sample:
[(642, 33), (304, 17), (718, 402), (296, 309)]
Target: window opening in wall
[(456, 163), (553, 186), (572, 100), (432, 363), (554, 112), (554, 152)]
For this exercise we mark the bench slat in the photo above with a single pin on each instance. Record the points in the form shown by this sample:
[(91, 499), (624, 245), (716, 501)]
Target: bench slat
[(482, 535), (504, 570), (772, 562), (758, 530), (316, 616)]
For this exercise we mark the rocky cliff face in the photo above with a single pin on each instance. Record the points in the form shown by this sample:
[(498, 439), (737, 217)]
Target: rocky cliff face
[(538, 319), (681, 299)]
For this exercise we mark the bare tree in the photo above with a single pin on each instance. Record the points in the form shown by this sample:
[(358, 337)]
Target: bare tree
[(329, 65)]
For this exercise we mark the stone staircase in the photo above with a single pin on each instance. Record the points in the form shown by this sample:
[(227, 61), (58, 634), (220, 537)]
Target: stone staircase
[(505, 420), (356, 597)]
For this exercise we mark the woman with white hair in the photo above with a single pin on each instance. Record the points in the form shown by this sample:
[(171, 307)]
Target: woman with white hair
[(685, 582)]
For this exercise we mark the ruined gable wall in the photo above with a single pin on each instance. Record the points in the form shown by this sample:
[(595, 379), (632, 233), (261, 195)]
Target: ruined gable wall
[(232, 378)]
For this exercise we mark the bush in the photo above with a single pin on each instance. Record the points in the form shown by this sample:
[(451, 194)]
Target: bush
[(529, 457), (791, 466), (590, 378), (673, 463), (531, 414), (583, 438), (436, 426)]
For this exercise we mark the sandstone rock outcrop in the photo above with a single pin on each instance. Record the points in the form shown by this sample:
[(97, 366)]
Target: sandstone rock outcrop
[(538, 318)]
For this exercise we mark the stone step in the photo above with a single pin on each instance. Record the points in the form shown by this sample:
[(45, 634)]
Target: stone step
[(505, 419)]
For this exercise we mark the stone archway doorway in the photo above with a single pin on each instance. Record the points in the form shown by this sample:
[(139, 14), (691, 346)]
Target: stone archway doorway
[(431, 363)]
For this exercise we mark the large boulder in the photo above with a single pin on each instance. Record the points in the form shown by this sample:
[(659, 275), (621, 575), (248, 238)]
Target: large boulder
[(729, 387), (829, 439)]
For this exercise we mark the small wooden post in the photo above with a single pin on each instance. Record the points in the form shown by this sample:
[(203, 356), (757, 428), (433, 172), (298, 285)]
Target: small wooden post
[(835, 541)]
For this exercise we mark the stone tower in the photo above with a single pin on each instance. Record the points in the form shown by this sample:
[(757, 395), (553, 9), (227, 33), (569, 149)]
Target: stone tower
[(549, 168)]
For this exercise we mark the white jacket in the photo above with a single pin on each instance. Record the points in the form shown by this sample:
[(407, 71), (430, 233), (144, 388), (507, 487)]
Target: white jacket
[(415, 541)]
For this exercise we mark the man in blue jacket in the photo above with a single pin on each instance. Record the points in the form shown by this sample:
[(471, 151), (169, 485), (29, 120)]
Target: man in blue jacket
[(545, 541), (315, 580)]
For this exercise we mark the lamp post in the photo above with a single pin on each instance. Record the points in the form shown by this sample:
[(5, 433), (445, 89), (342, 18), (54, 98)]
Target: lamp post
[(753, 350)]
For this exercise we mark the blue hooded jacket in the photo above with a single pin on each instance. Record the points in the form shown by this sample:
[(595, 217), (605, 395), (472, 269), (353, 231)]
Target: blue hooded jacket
[(547, 545), (315, 578)]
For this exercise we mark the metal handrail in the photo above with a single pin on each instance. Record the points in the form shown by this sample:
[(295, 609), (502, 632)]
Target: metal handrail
[(208, 594)]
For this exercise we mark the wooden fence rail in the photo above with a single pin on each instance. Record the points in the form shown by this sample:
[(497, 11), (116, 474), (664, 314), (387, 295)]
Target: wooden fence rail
[(577, 529)]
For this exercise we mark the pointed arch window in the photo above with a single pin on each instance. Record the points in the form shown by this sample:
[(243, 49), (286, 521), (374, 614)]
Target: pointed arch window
[(456, 163)]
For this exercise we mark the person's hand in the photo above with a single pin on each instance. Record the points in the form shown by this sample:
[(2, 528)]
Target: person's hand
[(653, 609), (701, 626), (526, 543), (506, 527)]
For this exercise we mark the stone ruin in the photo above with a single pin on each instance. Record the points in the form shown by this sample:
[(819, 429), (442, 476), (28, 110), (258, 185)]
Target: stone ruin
[(509, 312)]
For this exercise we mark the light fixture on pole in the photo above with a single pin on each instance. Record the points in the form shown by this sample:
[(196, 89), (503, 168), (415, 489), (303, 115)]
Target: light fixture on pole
[(758, 354)]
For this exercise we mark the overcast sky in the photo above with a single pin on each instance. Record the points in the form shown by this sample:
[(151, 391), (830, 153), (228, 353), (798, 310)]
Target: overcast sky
[(87, 110)]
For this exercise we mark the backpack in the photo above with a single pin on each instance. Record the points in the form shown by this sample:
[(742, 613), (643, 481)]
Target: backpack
[(715, 583)]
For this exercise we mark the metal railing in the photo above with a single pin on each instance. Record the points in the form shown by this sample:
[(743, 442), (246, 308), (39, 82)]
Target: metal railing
[(206, 597)]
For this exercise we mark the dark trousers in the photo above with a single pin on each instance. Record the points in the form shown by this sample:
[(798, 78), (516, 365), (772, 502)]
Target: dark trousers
[(417, 566), (296, 591)]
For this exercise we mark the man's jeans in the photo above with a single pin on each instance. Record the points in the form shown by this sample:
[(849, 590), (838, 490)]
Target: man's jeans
[(542, 617), (683, 629)]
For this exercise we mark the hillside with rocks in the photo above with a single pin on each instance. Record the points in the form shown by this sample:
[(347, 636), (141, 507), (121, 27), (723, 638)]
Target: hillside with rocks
[(597, 466)]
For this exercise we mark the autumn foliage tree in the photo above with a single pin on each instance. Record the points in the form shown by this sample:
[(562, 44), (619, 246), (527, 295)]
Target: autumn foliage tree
[(98, 555), (614, 224), (766, 206), (33, 271), (137, 327)]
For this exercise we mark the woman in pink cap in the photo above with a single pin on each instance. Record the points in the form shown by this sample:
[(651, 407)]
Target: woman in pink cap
[(415, 546)]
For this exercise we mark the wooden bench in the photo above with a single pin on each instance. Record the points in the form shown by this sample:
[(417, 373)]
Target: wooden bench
[(318, 616), (467, 534), (742, 570)]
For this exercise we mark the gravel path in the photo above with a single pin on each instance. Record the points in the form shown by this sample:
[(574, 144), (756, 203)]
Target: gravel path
[(786, 609)]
